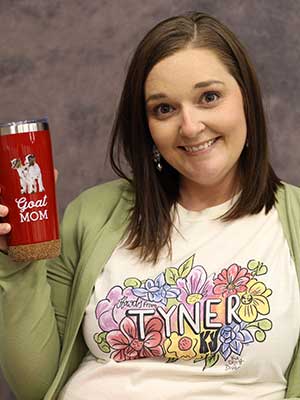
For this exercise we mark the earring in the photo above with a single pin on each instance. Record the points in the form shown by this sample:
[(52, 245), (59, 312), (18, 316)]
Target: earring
[(156, 158)]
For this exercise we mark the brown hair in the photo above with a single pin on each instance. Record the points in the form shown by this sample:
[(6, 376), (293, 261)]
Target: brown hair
[(155, 193)]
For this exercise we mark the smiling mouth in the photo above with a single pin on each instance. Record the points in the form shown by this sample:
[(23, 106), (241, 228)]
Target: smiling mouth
[(203, 146)]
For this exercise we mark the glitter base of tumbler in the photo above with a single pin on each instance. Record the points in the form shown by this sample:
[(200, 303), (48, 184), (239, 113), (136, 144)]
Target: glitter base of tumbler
[(36, 251)]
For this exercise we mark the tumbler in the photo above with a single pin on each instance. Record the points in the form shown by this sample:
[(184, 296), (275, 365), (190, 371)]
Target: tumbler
[(28, 190)]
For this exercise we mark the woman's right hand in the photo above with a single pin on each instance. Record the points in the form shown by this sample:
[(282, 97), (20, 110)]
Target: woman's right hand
[(4, 228)]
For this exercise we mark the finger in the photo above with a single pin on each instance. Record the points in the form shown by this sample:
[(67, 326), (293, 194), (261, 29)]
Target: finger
[(4, 229), (3, 211), (55, 174)]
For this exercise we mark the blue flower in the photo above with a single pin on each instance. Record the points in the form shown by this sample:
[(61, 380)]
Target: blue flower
[(233, 337), (156, 290)]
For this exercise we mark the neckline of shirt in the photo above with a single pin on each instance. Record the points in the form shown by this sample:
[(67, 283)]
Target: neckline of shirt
[(207, 213)]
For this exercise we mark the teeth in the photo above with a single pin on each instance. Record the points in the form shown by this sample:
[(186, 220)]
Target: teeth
[(201, 147)]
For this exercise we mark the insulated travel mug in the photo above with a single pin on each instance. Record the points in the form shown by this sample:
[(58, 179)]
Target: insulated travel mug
[(28, 190)]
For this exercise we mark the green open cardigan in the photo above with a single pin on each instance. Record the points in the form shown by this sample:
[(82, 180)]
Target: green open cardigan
[(42, 303)]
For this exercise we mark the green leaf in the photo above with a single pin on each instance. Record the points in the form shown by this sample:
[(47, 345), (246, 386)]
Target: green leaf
[(262, 269), (257, 267), (171, 276), (172, 360), (132, 282), (100, 339), (186, 267), (104, 347), (253, 264), (260, 336), (211, 360), (263, 324), (196, 360), (172, 302)]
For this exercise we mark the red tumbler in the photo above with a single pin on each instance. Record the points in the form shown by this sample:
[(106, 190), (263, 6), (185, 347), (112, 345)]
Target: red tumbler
[(28, 190)]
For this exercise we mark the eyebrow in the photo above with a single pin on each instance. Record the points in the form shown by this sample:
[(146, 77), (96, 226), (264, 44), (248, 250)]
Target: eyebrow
[(207, 83), (158, 96)]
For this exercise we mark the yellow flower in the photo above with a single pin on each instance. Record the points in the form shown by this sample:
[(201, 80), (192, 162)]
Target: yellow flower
[(184, 346), (254, 301)]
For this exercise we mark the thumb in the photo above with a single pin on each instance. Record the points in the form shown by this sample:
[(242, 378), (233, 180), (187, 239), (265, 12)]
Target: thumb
[(55, 174)]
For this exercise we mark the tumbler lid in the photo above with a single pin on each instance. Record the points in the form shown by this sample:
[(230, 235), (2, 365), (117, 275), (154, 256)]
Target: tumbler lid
[(26, 126)]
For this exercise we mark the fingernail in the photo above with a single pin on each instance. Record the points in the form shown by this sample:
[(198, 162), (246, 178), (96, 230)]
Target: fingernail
[(3, 209)]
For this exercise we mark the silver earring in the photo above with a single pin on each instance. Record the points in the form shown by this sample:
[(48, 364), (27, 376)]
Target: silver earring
[(156, 158)]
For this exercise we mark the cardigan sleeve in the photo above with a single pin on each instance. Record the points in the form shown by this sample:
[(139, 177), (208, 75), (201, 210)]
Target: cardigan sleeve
[(288, 207), (34, 301), (293, 387), (37, 299)]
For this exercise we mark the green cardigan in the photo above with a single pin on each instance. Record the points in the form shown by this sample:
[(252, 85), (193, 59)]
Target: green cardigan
[(42, 303)]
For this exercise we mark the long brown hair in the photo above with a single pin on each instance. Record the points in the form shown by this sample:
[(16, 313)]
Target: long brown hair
[(150, 223)]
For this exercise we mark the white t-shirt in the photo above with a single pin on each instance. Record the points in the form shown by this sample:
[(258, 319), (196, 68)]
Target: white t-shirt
[(219, 320)]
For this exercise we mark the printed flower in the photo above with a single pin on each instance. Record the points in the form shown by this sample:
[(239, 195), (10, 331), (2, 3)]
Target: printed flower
[(184, 346), (231, 280), (232, 338), (127, 345), (156, 290), (111, 310), (254, 301), (195, 286)]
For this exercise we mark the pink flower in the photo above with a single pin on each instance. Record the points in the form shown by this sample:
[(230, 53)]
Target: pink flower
[(231, 280), (128, 346), (111, 310), (195, 286)]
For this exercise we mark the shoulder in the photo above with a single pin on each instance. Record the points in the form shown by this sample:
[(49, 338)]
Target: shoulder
[(109, 191), (288, 194)]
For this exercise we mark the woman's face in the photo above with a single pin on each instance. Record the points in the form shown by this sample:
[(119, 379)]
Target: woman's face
[(196, 118)]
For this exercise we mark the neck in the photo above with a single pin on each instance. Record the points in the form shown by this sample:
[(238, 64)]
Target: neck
[(196, 197)]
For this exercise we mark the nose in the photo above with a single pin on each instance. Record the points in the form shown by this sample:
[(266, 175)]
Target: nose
[(191, 123)]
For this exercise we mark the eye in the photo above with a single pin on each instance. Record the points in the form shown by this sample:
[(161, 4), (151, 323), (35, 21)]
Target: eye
[(162, 110), (210, 97)]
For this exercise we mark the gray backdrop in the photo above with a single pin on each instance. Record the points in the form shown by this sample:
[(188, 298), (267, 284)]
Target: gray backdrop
[(67, 60)]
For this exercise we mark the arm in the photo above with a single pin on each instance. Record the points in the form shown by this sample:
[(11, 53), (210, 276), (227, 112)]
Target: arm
[(288, 208), (34, 300), (293, 388)]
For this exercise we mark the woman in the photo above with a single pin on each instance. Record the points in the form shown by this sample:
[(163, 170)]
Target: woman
[(180, 280)]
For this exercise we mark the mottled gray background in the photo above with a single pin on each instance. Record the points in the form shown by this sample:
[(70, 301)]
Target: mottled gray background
[(67, 59)]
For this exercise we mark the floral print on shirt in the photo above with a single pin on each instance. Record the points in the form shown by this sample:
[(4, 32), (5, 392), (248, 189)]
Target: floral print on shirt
[(186, 314)]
